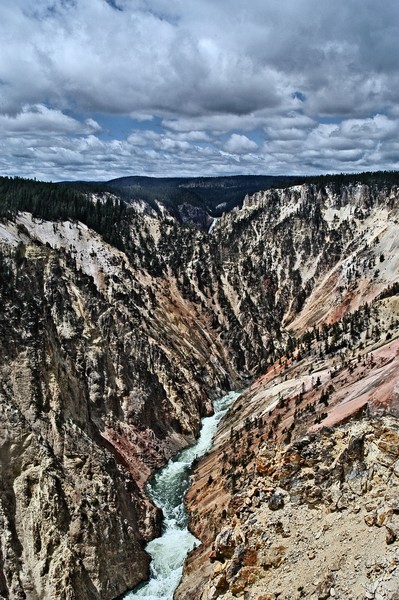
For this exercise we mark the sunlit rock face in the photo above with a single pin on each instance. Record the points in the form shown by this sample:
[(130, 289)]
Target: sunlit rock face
[(316, 518), (110, 357), (103, 378), (298, 497)]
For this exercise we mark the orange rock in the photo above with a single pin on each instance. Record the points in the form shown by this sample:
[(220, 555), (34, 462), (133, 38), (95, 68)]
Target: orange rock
[(263, 466), (250, 558), (389, 443), (369, 520), (274, 557), (292, 457), (250, 575)]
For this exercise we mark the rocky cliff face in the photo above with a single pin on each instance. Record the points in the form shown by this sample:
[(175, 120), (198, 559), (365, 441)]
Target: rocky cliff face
[(315, 519), (111, 356), (273, 522), (105, 375)]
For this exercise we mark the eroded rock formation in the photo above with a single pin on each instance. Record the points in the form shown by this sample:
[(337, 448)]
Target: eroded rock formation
[(109, 358), (298, 497), (318, 518)]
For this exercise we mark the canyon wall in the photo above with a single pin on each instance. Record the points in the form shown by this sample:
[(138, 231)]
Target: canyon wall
[(298, 497), (110, 357)]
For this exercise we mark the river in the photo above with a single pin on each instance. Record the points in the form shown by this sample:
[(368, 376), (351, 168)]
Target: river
[(167, 489)]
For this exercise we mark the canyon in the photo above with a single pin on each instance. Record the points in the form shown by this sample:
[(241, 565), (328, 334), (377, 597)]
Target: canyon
[(111, 353)]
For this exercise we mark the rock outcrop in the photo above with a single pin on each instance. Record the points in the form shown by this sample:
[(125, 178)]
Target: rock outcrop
[(317, 519), (102, 380)]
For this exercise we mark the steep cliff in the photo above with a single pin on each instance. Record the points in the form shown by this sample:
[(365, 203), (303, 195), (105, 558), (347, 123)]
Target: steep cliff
[(303, 470), (317, 518), (104, 375), (111, 355)]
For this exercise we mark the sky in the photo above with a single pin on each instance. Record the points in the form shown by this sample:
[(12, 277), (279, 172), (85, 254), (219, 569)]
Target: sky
[(97, 89)]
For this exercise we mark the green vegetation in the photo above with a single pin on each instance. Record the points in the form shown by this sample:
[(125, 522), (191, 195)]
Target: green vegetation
[(54, 202), (391, 290), (214, 195), (379, 179)]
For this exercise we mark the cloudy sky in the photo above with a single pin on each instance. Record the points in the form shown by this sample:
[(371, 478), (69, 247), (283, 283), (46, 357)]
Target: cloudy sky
[(95, 89)]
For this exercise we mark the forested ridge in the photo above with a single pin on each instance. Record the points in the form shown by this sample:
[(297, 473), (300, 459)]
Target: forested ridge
[(111, 216), (379, 179), (54, 202)]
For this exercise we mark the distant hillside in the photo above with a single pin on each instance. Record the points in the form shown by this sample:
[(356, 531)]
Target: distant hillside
[(214, 194), (103, 206), (198, 200)]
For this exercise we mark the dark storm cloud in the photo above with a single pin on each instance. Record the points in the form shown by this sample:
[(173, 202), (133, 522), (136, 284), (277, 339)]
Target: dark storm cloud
[(257, 80), (199, 57), (121, 61)]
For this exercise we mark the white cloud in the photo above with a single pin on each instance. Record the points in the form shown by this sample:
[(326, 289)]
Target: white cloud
[(352, 145), (240, 144), (39, 120), (319, 81), (199, 58)]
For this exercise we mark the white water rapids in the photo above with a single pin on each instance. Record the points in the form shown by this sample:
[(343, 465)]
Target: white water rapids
[(167, 489)]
